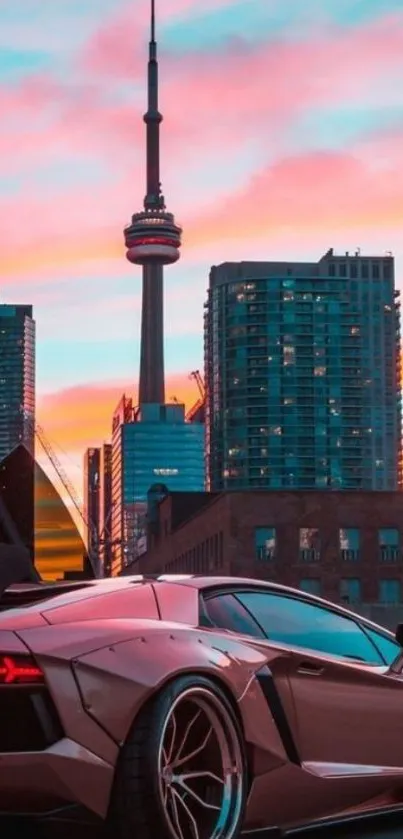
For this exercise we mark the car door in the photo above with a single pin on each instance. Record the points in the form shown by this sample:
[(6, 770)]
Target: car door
[(348, 704)]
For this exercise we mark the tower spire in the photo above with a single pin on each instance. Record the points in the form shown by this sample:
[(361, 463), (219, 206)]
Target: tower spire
[(152, 21), (153, 120)]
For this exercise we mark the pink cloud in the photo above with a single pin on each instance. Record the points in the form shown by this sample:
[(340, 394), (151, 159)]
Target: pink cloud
[(313, 191), (263, 89)]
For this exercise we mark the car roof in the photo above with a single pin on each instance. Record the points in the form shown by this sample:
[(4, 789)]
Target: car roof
[(44, 596)]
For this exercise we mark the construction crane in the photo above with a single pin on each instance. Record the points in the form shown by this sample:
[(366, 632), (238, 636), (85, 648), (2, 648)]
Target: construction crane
[(198, 406), (93, 555), (196, 375)]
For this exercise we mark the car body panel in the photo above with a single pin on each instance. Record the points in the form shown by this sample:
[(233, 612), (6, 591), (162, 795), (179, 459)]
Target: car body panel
[(311, 722), (65, 772)]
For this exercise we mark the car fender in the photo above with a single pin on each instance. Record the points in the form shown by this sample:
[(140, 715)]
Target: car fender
[(116, 681)]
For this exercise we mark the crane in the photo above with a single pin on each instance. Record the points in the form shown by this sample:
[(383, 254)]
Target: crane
[(199, 405), (196, 375), (93, 555)]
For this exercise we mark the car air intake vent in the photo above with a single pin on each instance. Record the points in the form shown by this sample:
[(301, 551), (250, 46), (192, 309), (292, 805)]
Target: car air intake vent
[(28, 719)]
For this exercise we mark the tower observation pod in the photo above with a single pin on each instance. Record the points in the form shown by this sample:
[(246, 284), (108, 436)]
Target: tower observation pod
[(153, 238)]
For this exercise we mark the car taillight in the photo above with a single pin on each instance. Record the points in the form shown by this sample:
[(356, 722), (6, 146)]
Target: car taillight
[(19, 670)]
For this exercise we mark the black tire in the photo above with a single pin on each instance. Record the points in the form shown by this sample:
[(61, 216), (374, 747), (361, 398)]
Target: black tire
[(137, 803)]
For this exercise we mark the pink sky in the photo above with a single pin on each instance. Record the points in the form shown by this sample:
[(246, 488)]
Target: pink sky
[(282, 138)]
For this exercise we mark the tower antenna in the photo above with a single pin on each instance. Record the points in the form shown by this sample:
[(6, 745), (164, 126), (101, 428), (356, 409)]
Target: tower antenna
[(152, 21)]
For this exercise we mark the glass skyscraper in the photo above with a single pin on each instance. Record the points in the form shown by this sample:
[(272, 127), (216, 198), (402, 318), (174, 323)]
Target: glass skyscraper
[(302, 370), (151, 446), (17, 378)]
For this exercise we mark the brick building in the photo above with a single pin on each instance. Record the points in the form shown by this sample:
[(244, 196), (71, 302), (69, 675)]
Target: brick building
[(344, 546)]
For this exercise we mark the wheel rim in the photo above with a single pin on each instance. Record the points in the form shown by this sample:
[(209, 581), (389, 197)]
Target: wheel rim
[(200, 768)]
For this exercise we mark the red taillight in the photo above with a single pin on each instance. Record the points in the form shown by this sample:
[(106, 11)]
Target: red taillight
[(18, 670)]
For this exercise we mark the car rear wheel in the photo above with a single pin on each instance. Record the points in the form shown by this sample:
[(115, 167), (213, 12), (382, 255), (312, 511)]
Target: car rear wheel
[(182, 772)]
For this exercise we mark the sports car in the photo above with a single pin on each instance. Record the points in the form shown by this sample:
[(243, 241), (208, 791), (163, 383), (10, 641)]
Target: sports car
[(187, 707)]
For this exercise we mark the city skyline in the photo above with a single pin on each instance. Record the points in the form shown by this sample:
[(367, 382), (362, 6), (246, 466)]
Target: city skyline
[(308, 99)]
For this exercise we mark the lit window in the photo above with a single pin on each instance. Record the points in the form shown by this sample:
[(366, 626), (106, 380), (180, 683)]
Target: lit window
[(320, 371), (389, 544), (265, 543), (349, 541), (309, 544)]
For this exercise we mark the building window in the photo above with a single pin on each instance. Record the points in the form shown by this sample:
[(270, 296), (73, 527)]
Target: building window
[(389, 544), (349, 541), (265, 543), (350, 590), (309, 544), (390, 591), (311, 585)]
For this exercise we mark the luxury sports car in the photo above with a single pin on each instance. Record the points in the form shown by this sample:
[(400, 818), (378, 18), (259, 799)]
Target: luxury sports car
[(191, 708)]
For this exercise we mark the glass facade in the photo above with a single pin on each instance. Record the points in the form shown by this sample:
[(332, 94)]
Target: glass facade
[(34, 512), (17, 378), (153, 447), (59, 548), (302, 371)]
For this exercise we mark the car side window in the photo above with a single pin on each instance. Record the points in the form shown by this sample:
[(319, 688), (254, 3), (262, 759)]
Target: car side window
[(226, 612), (388, 648), (299, 623)]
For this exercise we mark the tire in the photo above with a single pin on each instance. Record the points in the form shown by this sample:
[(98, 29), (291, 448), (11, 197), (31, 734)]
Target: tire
[(148, 800)]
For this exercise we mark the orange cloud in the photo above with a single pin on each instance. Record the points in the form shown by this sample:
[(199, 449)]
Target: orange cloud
[(79, 417)]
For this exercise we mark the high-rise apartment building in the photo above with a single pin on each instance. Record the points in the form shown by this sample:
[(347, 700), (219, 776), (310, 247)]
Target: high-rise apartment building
[(17, 378), (302, 370)]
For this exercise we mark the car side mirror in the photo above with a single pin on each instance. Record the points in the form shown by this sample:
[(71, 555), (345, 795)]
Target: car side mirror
[(399, 634)]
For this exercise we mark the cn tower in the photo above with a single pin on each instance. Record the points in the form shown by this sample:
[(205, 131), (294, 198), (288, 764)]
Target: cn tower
[(152, 240)]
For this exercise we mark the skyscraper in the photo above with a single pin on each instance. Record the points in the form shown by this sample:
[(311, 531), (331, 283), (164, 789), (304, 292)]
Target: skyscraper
[(92, 459), (151, 443), (303, 375), (152, 240), (154, 446), (105, 508), (17, 378)]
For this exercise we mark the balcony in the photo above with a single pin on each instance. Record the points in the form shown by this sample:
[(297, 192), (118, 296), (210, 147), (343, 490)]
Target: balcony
[(389, 553), (350, 554), (309, 555)]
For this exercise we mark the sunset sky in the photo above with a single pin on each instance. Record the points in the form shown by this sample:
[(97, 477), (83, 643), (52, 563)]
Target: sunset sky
[(283, 136)]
